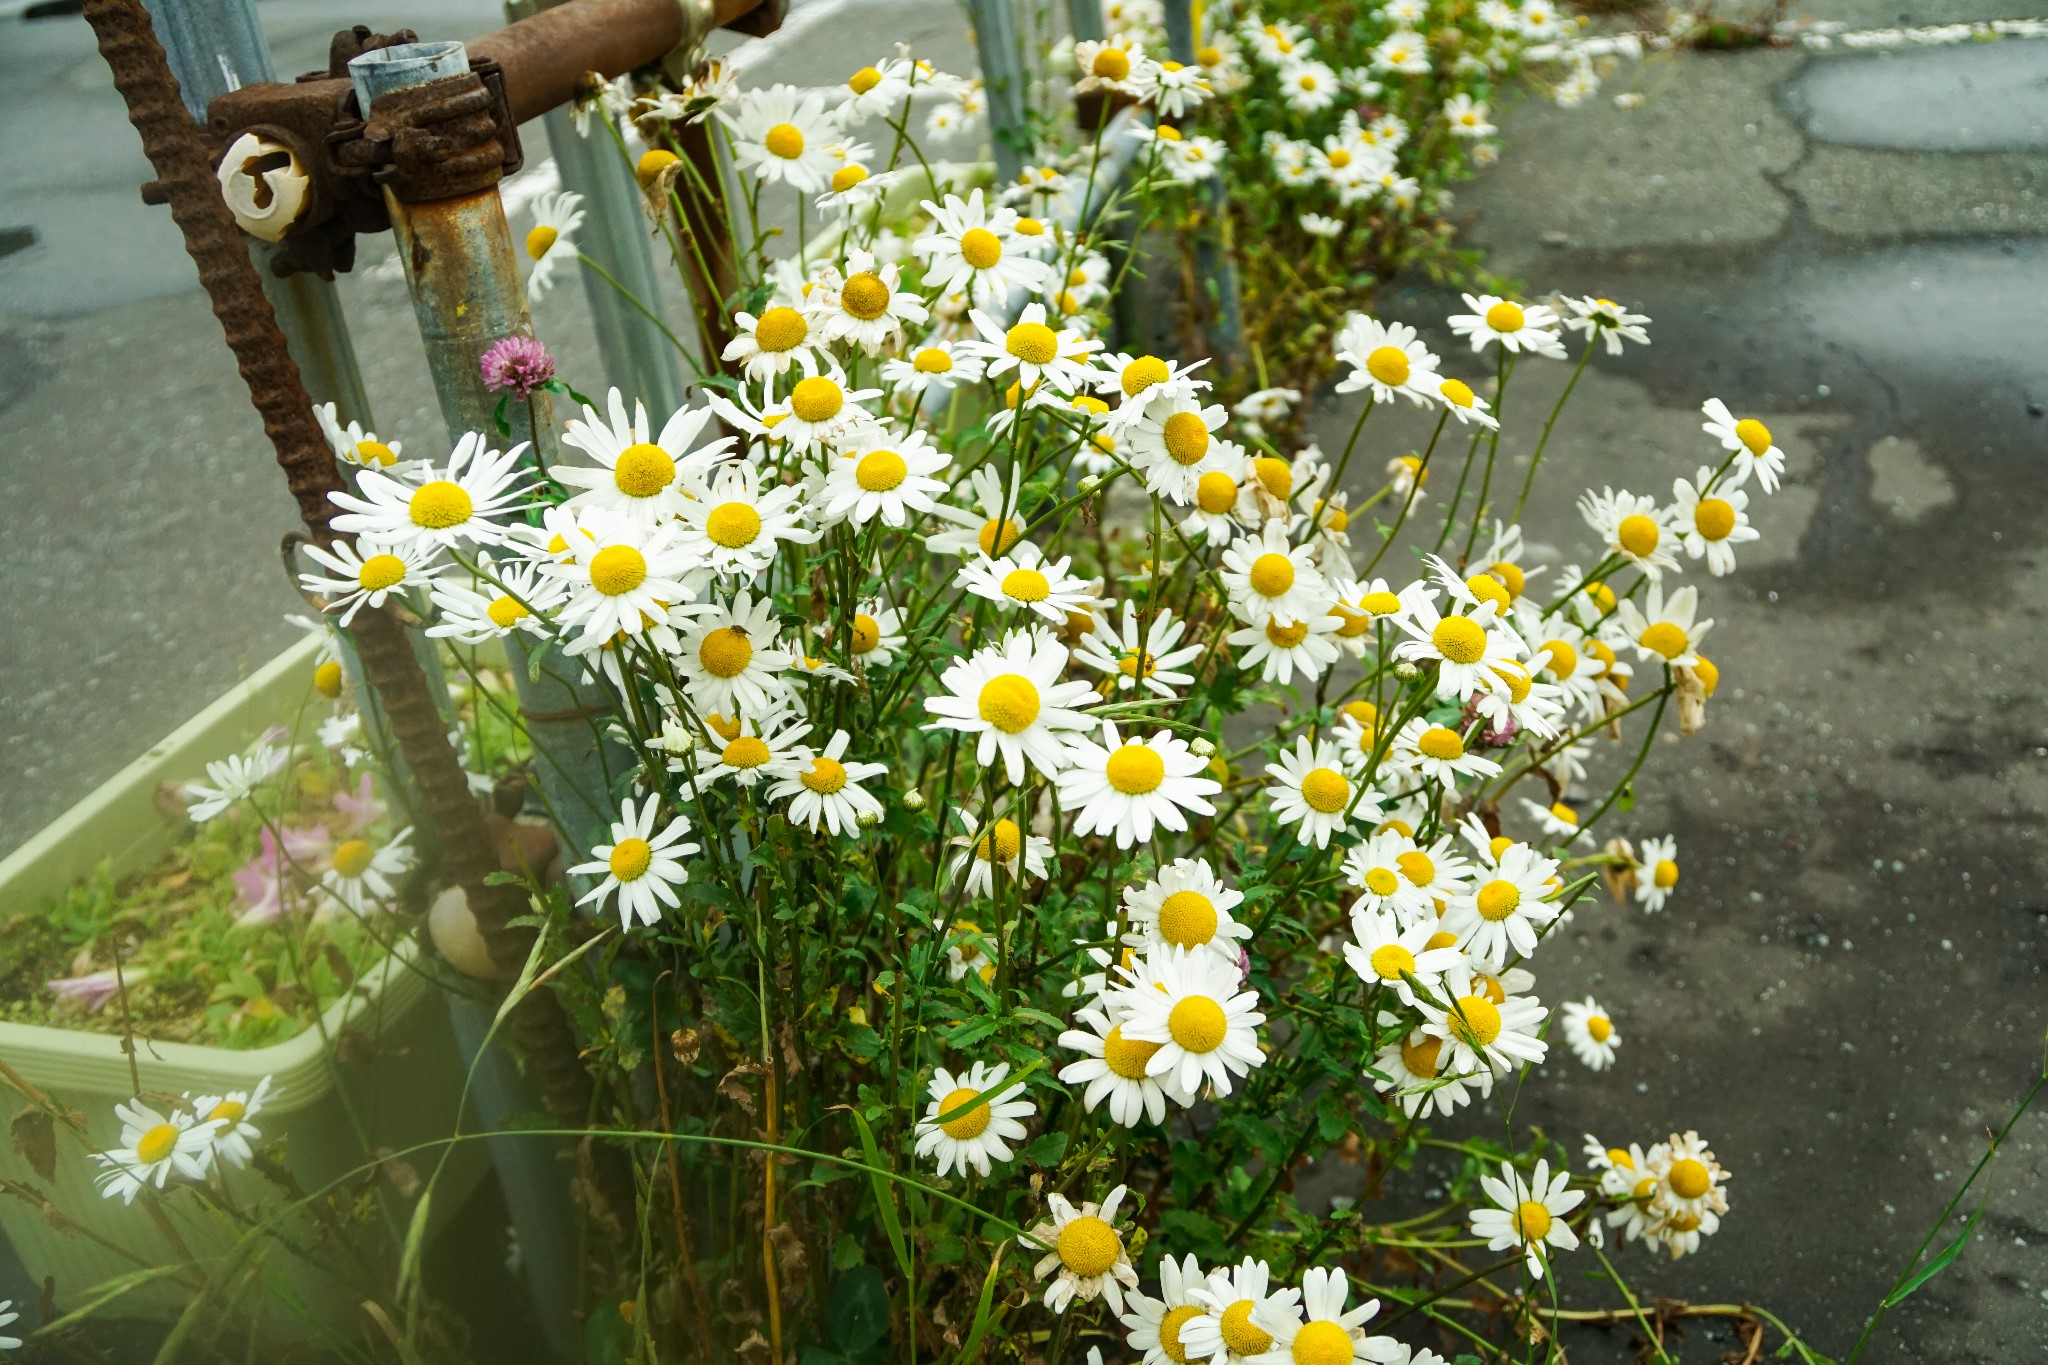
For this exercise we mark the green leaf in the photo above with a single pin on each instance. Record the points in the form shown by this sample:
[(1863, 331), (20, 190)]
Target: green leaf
[(858, 1313), (885, 1198), (1943, 1259), (1048, 1150), (846, 1253)]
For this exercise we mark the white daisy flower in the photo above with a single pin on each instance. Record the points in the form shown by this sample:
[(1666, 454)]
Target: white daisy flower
[(734, 526), (881, 474), (769, 344), (1749, 442), (930, 371), (1325, 1333), (1031, 348), (1466, 645), (1174, 445), (991, 526), (745, 748), (1223, 503), (1383, 869), (1154, 1325), (1664, 629), (876, 634), (1088, 1257), (1691, 1193), (1480, 1032), (1268, 578), (508, 597), (1309, 786), (228, 1115), (1656, 872), (967, 946), (1110, 64), (1186, 906), (877, 91), (825, 790), (820, 413), (1309, 86), (1559, 821), (437, 508), (552, 238), (1419, 1076), (1529, 1215), (1711, 525), (234, 778), (867, 306), (361, 877), (1507, 911), (1400, 959), (1153, 664), (985, 846), (153, 1148), (1602, 318), (980, 1136), (1125, 787), (1630, 525), (1115, 1068), (353, 445), (1320, 225), (638, 473), (622, 576), (1025, 578), (7, 1316), (1466, 118), (967, 250), (1141, 381), (1388, 360), (1468, 407), (1517, 327), (1589, 1032), (1237, 1298), (731, 661), (1437, 753), (1191, 1004), (1280, 651), (783, 135), (640, 867), (1402, 51)]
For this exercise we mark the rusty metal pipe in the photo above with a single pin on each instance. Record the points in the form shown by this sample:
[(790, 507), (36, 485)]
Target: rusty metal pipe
[(545, 57)]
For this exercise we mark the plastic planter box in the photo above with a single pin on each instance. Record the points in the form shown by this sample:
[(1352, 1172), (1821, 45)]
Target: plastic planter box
[(395, 1070)]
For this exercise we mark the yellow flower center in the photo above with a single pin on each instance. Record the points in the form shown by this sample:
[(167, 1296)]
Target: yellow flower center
[(440, 505), (1420, 1055), (643, 470), (1271, 575), (1009, 702), (748, 751), (1238, 1332), (1142, 373), (352, 859), (1498, 899), (1323, 1342), (932, 360), (381, 571), (971, 1124), (1187, 919), (1689, 1178), (781, 329), (1026, 585), (1713, 518), (1008, 842), (617, 569), (1134, 665), (1517, 680), (1339, 159), (1388, 364), (228, 1112), (1351, 622), (1029, 227), (1034, 343), (1664, 638), (816, 399), (1487, 588), (1326, 790), (980, 248), (1532, 1220), (1209, 55), (1089, 1247), (864, 80), (1564, 814), (1441, 742), (785, 140), (1637, 535), (541, 240), (1665, 874), (1389, 960), (1169, 1331), (1111, 64), (825, 775), (1599, 1027), (1753, 434), (156, 1144), (1275, 475), (1286, 637), (997, 537), (1505, 317), (880, 470), (1197, 1024), (1564, 660), (652, 163), (1127, 1057), (733, 524), (1381, 882), (867, 633), (725, 652), (631, 858), (1460, 639), (1456, 392), (327, 679), (1134, 770), (1442, 938), (847, 176), (1416, 867), (375, 453), (866, 296), (1186, 437), (725, 727), (1475, 1020), (1216, 492)]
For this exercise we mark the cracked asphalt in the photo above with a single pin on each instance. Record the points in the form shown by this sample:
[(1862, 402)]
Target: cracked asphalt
[(1849, 989)]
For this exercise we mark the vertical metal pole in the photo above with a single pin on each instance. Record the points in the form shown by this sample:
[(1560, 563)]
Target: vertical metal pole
[(1213, 263), (1085, 18), (616, 231), (216, 46), (1002, 77)]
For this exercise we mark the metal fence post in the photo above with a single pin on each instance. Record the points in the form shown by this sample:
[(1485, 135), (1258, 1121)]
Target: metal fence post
[(1084, 17), (616, 233), (1213, 261), (215, 46), (1002, 76)]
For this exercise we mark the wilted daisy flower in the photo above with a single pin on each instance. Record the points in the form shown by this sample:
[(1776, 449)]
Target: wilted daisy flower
[(1749, 442), (1088, 1257), (437, 508), (640, 867), (1155, 1324), (228, 1117), (930, 371), (1268, 578), (1025, 578), (353, 445), (1385, 954), (551, 240), (730, 660), (1656, 872), (1517, 327), (1691, 1193), (1309, 86), (1190, 1003), (966, 251), (1152, 664), (983, 1134), (732, 525), (1528, 1215), (1589, 1032), (985, 846), (769, 344), (1115, 1069), (1711, 525), (1010, 697), (1419, 1075), (1279, 652), (232, 779), (1127, 787), (154, 1147), (361, 876), (1481, 1033), (1663, 628), (1309, 786), (784, 135)]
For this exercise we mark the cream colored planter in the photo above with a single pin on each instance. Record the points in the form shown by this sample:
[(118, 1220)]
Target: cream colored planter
[(395, 1069)]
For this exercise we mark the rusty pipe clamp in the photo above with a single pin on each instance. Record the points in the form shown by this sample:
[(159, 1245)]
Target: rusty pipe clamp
[(301, 166)]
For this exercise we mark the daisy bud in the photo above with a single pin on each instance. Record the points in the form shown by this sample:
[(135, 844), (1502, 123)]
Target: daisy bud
[(1201, 748), (867, 819), (913, 799), (1406, 670), (1089, 483)]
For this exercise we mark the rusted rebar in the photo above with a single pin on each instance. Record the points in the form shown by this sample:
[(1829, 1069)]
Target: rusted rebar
[(185, 181)]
